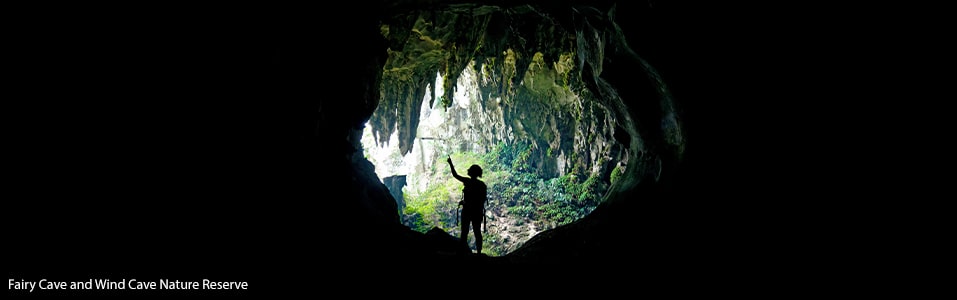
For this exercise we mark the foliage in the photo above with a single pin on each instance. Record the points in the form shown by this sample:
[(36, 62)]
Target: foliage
[(433, 207), (513, 189), (616, 173)]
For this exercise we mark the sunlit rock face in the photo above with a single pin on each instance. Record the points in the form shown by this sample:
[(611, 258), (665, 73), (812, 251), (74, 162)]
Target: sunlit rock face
[(504, 74), (465, 78), (465, 126)]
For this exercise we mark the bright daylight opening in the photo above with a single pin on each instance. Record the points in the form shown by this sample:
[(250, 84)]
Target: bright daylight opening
[(547, 160)]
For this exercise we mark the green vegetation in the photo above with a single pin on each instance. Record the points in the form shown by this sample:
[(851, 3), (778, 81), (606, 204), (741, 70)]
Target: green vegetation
[(515, 191), (616, 173)]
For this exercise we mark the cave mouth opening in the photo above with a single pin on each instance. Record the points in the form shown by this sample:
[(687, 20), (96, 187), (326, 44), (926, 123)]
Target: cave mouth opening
[(548, 154), (551, 102)]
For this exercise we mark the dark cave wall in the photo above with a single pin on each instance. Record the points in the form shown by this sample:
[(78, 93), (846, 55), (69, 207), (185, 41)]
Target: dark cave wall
[(281, 133), (241, 130), (314, 175)]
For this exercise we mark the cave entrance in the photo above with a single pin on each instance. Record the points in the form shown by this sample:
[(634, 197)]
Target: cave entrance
[(520, 91), (548, 154)]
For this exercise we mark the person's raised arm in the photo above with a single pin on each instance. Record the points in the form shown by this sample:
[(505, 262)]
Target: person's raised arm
[(454, 174)]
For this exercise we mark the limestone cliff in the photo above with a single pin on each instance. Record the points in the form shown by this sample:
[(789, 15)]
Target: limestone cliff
[(523, 82)]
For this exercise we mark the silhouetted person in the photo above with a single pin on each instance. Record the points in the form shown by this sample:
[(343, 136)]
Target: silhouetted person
[(473, 203)]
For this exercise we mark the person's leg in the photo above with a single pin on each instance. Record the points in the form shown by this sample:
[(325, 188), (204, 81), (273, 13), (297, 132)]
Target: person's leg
[(465, 229), (477, 229)]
